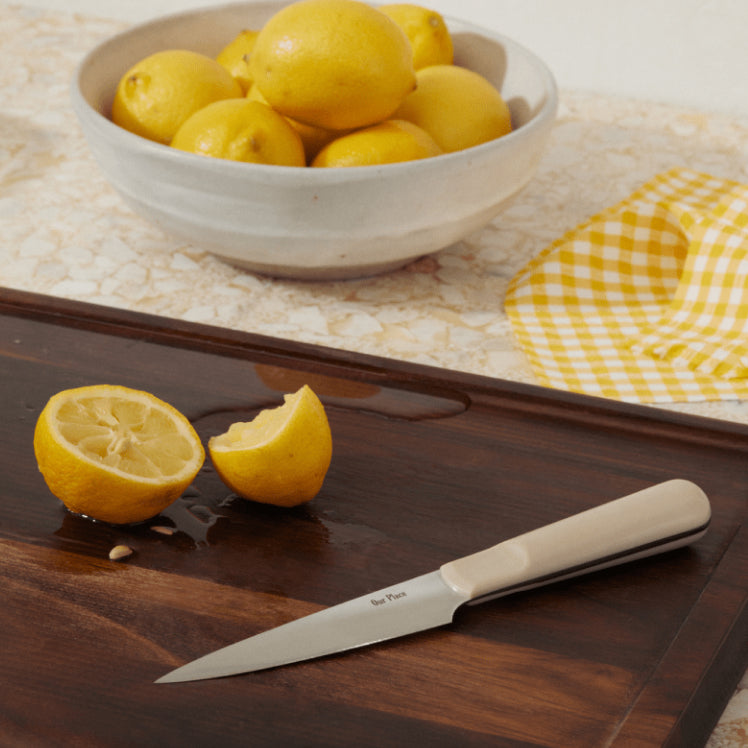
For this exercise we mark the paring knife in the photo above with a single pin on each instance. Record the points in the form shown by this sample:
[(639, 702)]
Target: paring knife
[(660, 518)]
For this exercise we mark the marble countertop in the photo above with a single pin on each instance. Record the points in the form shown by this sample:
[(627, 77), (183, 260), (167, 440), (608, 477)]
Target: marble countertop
[(65, 232)]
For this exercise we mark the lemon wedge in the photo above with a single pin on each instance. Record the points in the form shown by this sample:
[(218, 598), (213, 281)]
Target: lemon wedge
[(281, 457)]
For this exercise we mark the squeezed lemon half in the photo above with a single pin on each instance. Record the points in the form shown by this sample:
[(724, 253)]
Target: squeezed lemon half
[(281, 457), (115, 454)]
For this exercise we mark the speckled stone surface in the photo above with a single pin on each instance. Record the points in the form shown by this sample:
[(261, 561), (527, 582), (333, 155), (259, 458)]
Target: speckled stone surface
[(65, 232)]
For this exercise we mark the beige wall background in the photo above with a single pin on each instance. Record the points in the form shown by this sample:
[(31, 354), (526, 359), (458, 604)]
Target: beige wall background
[(683, 52)]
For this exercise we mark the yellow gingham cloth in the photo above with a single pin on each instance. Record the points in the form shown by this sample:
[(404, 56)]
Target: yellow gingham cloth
[(647, 301)]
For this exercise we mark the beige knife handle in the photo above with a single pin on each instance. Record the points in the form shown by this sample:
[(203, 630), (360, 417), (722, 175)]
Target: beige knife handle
[(665, 516)]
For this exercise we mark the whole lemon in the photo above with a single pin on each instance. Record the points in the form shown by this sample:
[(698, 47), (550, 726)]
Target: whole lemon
[(388, 142), (155, 96), (241, 130), (313, 138), (458, 107), (427, 32), (337, 64), (235, 57)]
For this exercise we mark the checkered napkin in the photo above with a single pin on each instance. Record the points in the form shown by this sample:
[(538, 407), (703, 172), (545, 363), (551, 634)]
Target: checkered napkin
[(647, 301)]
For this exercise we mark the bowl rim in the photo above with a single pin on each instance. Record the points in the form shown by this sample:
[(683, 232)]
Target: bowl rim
[(543, 118)]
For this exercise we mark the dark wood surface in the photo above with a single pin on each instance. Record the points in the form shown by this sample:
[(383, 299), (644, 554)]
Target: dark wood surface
[(428, 465)]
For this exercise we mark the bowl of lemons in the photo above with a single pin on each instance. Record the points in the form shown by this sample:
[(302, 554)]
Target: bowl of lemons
[(317, 139)]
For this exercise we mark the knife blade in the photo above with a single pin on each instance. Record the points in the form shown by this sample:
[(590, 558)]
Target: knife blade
[(656, 519)]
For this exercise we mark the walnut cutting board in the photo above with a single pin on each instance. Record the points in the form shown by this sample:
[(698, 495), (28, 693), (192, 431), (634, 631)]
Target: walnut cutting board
[(428, 465)]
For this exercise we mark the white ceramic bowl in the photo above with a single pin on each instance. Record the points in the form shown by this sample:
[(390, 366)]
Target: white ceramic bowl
[(313, 223)]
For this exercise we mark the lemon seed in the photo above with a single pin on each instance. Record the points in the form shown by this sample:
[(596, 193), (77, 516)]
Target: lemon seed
[(119, 552)]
